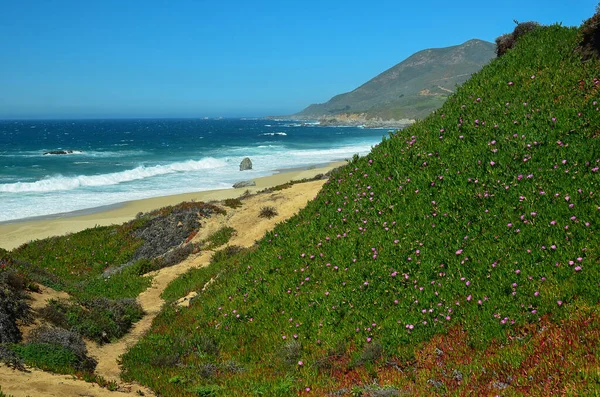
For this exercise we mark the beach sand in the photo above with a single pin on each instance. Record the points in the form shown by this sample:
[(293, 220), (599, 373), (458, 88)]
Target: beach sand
[(14, 234)]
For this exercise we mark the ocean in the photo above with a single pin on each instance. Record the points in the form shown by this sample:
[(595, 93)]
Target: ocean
[(114, 161)]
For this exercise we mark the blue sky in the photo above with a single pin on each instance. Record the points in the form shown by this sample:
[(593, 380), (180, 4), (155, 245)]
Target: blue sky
[(195, 58)]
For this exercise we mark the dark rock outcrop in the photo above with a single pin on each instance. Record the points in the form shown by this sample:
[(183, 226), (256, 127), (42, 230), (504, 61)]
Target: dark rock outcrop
[(58, 152), (246, 164)]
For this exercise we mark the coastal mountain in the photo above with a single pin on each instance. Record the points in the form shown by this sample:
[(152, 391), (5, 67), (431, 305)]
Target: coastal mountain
[(410, 90)]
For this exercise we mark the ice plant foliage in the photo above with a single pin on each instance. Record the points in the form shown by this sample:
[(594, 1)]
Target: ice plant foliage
[(482, 217)]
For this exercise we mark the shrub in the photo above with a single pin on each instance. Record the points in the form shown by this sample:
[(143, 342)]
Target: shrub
[(226, 253), (101, 319), (589, 46), (232, 367), (69, 340), (508, 41), (524, 28), (173, 257), (207, 345), (290, 353), (50, 349), (10, 358), (233, 203), (207, 370), (163, 232), (370, 353), (504, 43), (13, 307), (268, 212), (218, 238)]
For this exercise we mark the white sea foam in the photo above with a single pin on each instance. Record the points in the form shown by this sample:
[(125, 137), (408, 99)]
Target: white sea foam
[(218, 170), (60, 182), (273, 134)]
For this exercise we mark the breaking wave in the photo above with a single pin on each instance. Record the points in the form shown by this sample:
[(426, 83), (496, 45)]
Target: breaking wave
[(57, 183)]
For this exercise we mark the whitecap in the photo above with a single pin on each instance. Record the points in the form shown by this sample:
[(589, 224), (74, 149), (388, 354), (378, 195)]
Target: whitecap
[(57, 183)]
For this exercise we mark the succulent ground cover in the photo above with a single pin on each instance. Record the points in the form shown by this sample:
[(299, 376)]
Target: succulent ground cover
[(460, 256)]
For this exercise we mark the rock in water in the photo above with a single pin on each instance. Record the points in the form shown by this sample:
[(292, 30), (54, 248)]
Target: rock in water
[(58, 152), (246, 164), (238, 185)]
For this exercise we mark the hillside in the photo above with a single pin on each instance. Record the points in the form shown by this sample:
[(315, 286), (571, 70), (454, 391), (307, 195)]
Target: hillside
[(460, 256), (411, 89)]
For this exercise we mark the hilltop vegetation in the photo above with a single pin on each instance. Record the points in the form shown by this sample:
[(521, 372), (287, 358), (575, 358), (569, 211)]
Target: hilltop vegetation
[(460, 256)]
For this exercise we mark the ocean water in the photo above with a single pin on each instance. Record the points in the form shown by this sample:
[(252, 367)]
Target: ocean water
[(120, 160)]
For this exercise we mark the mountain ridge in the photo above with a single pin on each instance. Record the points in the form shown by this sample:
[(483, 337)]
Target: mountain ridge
[(410, 89)]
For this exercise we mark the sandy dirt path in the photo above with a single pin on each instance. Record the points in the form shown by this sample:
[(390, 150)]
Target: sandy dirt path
[(249, 228)]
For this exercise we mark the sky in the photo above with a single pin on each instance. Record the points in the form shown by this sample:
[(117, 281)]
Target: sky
[(197, 58)]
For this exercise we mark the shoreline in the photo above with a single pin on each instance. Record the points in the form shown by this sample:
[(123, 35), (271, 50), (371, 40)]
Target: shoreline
[(14, 233)]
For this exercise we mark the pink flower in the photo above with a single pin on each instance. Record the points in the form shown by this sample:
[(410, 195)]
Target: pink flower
[(459, 252), (300, 363), (559, 303)]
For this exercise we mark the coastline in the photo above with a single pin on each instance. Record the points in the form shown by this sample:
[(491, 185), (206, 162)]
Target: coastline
[(348, 120), (20, 231)]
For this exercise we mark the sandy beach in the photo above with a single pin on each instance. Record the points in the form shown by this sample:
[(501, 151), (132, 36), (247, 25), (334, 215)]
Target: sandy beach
[(14, 234)]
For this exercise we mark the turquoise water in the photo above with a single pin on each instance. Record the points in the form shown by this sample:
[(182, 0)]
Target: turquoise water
[(119, 160)]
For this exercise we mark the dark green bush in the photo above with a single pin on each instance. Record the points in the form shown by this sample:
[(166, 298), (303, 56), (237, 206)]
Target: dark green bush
[(53, 358), (101, 319), (226, 253), (10, 358), (218, 238), (508, 41), (49, 338), (13, 307), (504, 43), (233, 203), (589, 46)]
